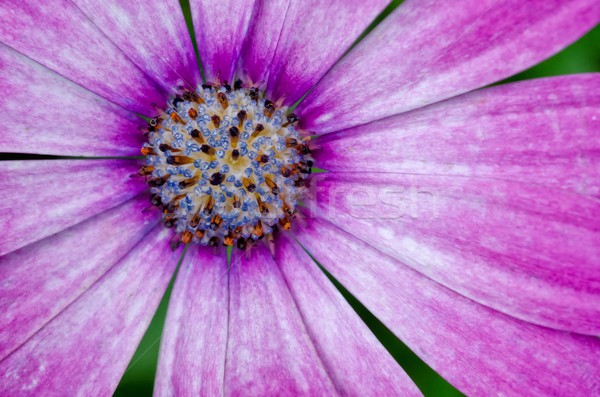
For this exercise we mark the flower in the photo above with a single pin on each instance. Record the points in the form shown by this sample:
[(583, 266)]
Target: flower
[(466, 222)]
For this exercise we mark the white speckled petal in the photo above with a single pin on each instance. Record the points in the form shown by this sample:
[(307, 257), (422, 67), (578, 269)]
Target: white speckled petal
[(542, 131), (269, 351), (220, 28), (194, 341), (38, 281), (356, 361), (152, 33), (291, 44), (477, 349), (85, 350), (527, 250), (427, 51), (62, 38), (262, 39), (43, 197), (49, 114)]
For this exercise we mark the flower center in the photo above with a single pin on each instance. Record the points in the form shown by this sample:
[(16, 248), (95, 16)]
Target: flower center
[(226, 166)]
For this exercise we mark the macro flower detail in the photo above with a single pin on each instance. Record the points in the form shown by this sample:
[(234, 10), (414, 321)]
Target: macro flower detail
[(463, 216), (226, 165)]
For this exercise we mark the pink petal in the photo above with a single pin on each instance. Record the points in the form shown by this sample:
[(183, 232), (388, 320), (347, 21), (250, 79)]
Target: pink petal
[(49, 114), (296, 42), (220, 28), (86, 349), (269, 351), (477, 349), (355, 360), (262, 39), (194, 341), (153, 34), (59, 36), (524, 249), (43, 197), (426, 52), (38, 281), (540, 131)]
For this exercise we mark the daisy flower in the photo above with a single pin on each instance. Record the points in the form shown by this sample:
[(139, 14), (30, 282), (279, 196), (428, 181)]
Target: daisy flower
[(464, 218)]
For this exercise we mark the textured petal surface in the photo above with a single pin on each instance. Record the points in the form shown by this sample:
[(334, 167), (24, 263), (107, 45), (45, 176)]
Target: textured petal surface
[(59, 36), (194, 341), (426, 51), (542, 132), (355, 360), (153, 34), (477, 349), (261, 41), (42, 197), (85, 350), (41, 279), (313, 35), (269, 351), (524, 249), (49, 114), (220, 28)]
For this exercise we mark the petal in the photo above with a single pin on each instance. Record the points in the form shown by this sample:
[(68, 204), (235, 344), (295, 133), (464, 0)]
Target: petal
[(269, 351), (51, 115), (425, 52), (43, 197), (194, 341), (59, 36), (524, 249), (38, 281), (475, 348), (86, 349), (262, 39), (314, 35), (540, 131), (220, 30), (153, 34), (355, 360)]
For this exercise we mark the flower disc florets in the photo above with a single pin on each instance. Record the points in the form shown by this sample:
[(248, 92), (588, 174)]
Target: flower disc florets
[(226, 165)]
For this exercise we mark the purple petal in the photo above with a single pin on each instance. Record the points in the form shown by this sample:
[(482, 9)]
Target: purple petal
[(269, 351), (38, 281), (220, 28), (540, 131), (524, 249), (43, 197), (475, 348), (261, 41), (296, 42), (86, 349), (194, 341), (426, 52), (59, 36), (153, 34), (51, 115), (355, 360)]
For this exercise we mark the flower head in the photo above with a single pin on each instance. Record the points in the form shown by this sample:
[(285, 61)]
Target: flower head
[(466, 221)]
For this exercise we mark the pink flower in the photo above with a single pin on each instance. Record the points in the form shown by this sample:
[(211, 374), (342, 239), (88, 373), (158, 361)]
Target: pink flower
[(466, 222)]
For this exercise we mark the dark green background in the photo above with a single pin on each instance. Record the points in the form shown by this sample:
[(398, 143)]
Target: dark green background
[(582, 56)]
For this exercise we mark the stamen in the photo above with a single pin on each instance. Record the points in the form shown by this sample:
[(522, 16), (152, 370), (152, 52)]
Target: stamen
[(146, 170), (146, 151), (223, 100), (216, 121), (217, 178), (176, 118), (179, 160), (226, 166)]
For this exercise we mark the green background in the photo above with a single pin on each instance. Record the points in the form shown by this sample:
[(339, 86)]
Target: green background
[(583, 56)]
